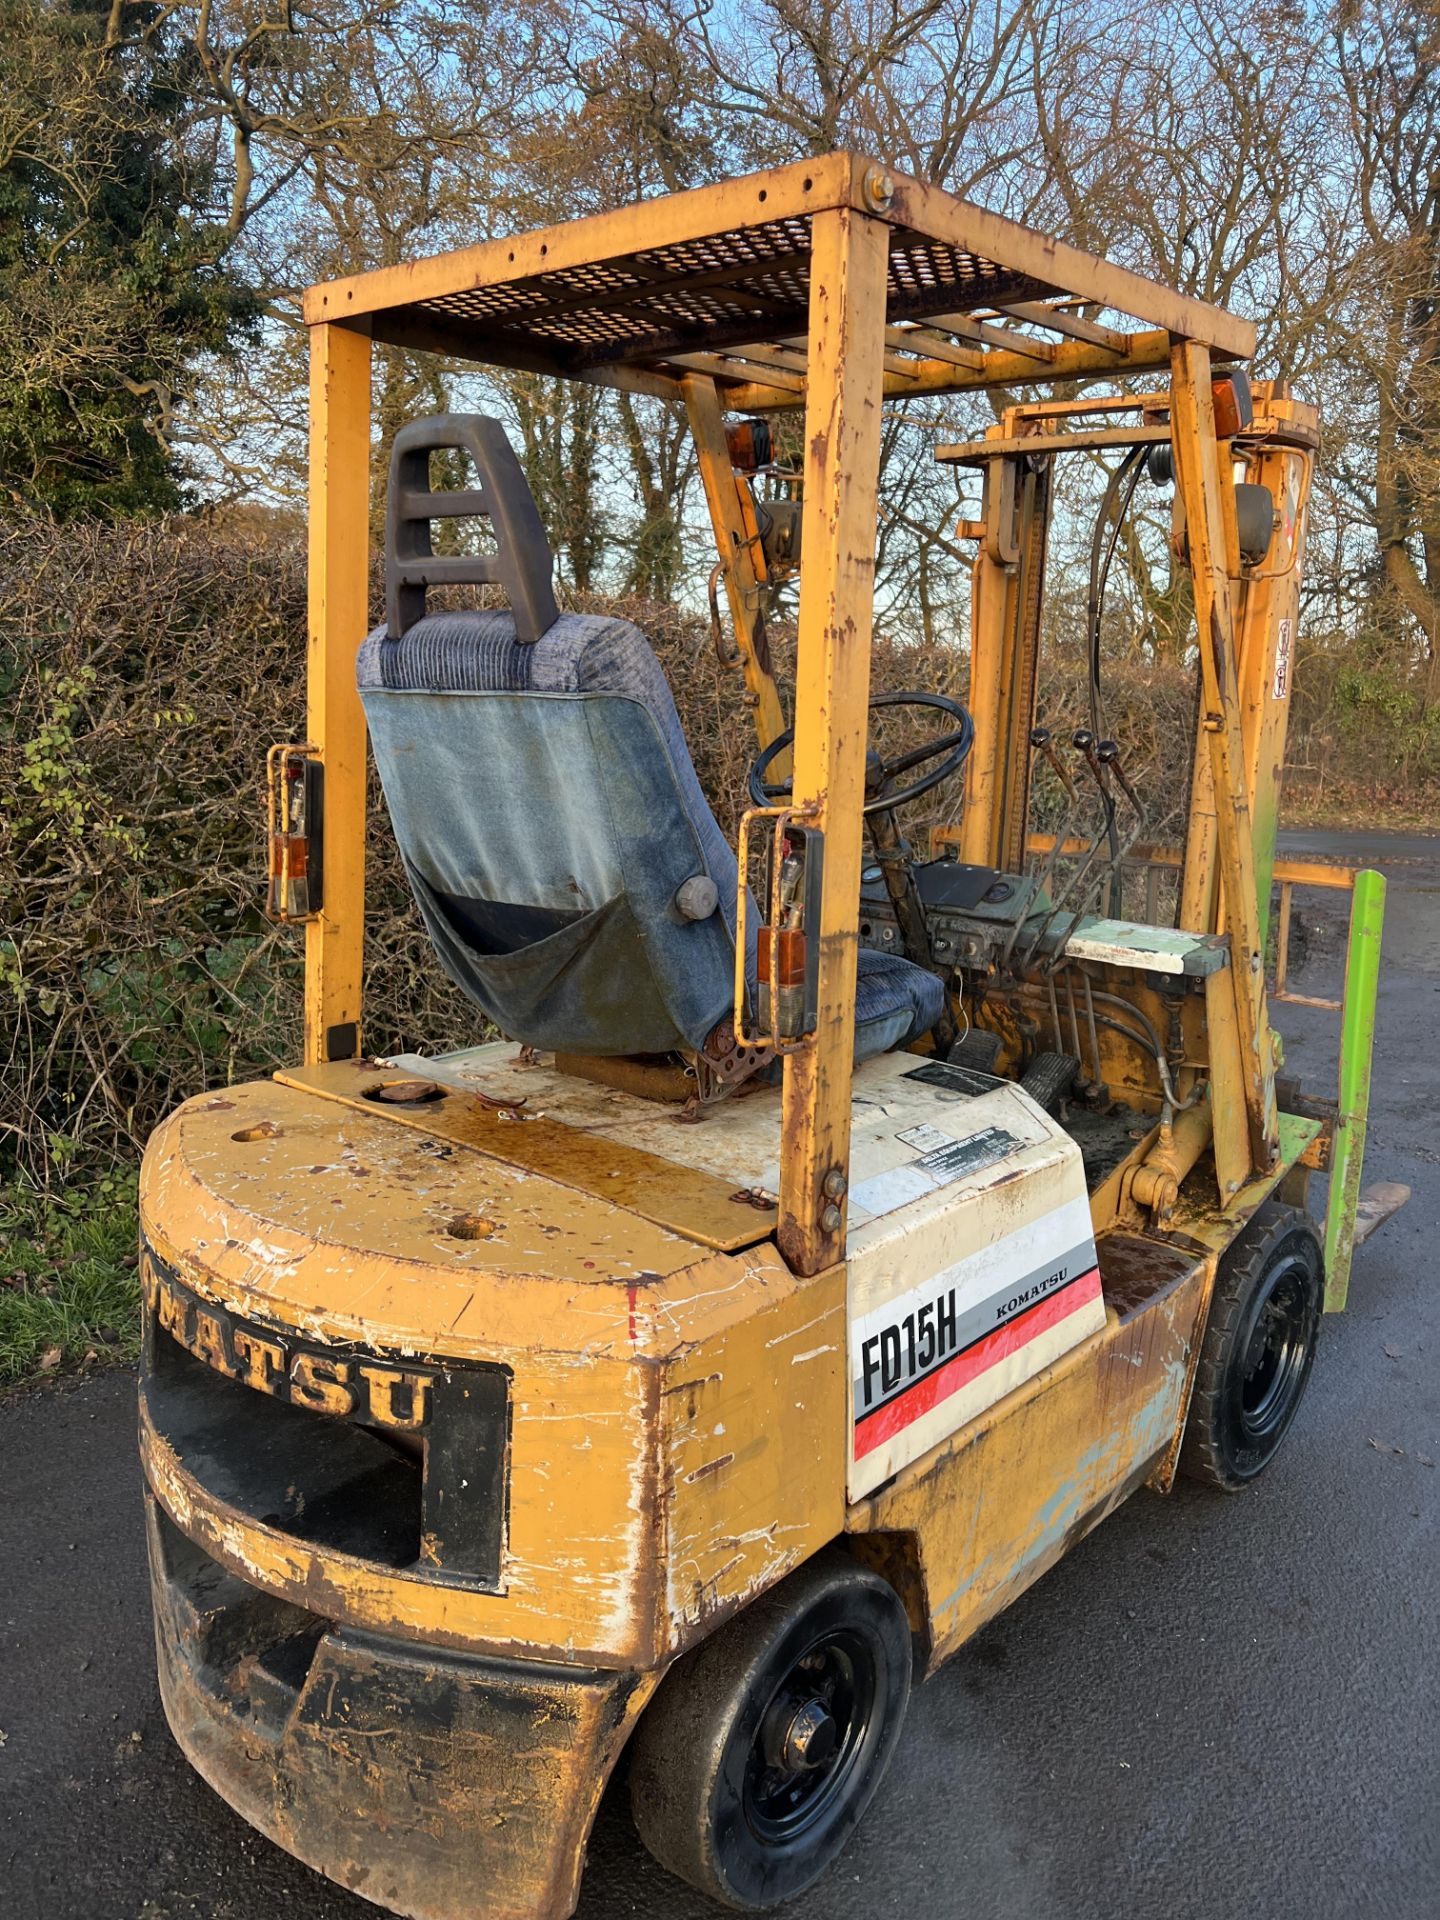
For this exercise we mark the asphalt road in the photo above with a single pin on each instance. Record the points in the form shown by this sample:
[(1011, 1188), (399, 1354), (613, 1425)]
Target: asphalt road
[(1215, 1707)]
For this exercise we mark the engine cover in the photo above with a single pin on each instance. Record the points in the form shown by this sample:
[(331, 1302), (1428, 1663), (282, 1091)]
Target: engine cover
[(971, 1265)]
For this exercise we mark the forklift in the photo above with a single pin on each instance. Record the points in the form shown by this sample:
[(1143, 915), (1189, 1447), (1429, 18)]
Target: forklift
[(833, 1235)]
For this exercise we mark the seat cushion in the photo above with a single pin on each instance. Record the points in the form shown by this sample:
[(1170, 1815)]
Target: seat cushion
[(547, 895), (477, 652), (548, 814), (895, 1002)]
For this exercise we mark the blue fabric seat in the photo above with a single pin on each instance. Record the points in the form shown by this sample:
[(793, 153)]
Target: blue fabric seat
[(548, 815), (565, 862)]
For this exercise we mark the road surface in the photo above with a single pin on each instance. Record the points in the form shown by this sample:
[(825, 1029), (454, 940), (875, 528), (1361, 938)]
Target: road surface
[(1214, 1709)]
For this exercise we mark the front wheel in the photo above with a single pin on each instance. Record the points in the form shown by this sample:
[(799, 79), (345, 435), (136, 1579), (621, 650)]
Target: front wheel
[(1258, 1349), (762, 1749)]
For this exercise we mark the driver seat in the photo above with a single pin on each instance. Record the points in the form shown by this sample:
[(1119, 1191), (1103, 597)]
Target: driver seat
[(565, 862)]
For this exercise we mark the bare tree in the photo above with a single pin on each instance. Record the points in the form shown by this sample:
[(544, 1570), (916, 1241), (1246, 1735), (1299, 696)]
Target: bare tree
[(1388, 62)]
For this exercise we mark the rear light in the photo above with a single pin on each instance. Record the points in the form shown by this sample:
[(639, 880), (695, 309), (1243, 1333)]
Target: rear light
[(750, 445), (295, 781), (785, 960), (785, 993), (787, 966), (1234, 408), (781, 996)]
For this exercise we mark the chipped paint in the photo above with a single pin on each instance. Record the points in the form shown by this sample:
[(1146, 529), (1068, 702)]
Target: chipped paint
[(1004, 1499), (629, 1348)]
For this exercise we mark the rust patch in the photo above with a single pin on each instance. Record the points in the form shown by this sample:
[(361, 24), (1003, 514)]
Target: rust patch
[(692, 1386), (1201, 1249), (406, 1093), (262, 1130), (710, 1466), (472, 1226), (1134, 1270), (755, 1197), (509, 1108)]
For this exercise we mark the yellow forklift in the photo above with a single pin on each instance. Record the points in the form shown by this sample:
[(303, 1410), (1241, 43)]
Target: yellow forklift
[(811, 1261)]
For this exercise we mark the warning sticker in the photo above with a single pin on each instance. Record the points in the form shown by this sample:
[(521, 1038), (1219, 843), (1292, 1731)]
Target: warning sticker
[(958, 1157), (1281, 688), (942, 1164), (925, 1139)]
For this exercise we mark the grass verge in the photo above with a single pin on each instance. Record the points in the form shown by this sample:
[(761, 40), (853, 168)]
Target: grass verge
[(69, 1286), (1347, 805)]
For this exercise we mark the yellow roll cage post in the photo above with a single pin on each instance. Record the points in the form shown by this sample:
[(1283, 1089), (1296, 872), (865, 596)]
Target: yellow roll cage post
[(870, 249)]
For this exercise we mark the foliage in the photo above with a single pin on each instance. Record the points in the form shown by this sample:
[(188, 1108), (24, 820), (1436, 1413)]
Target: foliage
[(140, 665), (109, 280), (69, 1294), (143, 671), (1364, 733)]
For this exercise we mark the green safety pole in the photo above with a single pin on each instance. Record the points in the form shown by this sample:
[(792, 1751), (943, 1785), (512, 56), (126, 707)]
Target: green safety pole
[(1357, 1040)]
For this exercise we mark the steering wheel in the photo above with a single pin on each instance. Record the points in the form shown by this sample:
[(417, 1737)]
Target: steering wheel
[(950, 749)]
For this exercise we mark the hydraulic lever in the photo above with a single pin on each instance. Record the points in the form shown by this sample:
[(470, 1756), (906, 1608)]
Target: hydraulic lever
[(1108, 754), (1042, 741), (1098, 762), (1102, 759)]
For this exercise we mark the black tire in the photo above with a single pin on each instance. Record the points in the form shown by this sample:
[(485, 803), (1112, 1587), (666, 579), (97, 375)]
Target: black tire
[(1049, 1078), (751, 1767), (1258, 1349)]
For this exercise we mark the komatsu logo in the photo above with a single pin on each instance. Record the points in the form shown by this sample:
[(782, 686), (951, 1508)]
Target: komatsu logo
[(347, 1386), (914, 1344)]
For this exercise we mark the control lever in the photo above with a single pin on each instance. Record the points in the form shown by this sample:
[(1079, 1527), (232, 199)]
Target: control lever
[(1084, 743), (1098, 761), (1042, 741), (1108, 754), (1076, 886)]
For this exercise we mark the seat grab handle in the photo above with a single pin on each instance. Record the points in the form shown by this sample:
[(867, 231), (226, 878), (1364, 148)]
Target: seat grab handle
[(522, 563)]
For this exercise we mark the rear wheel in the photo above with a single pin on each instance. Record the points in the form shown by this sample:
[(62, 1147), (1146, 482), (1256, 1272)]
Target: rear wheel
[(762, 1749), (1258, 1350)]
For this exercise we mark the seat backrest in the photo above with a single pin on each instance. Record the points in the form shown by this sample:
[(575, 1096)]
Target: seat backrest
[(567, 866)]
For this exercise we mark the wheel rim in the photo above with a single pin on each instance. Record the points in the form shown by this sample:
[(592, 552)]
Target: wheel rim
[(810, 1738), (1272, 1370)]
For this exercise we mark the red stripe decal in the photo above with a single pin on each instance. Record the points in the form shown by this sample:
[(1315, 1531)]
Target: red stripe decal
[(885, 1422)]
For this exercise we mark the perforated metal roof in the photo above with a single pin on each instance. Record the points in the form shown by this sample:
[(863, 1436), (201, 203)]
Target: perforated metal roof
[(632, 297), (729, 289)]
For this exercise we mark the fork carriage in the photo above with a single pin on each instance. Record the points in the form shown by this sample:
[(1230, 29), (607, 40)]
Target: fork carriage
[(491, 1417)]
